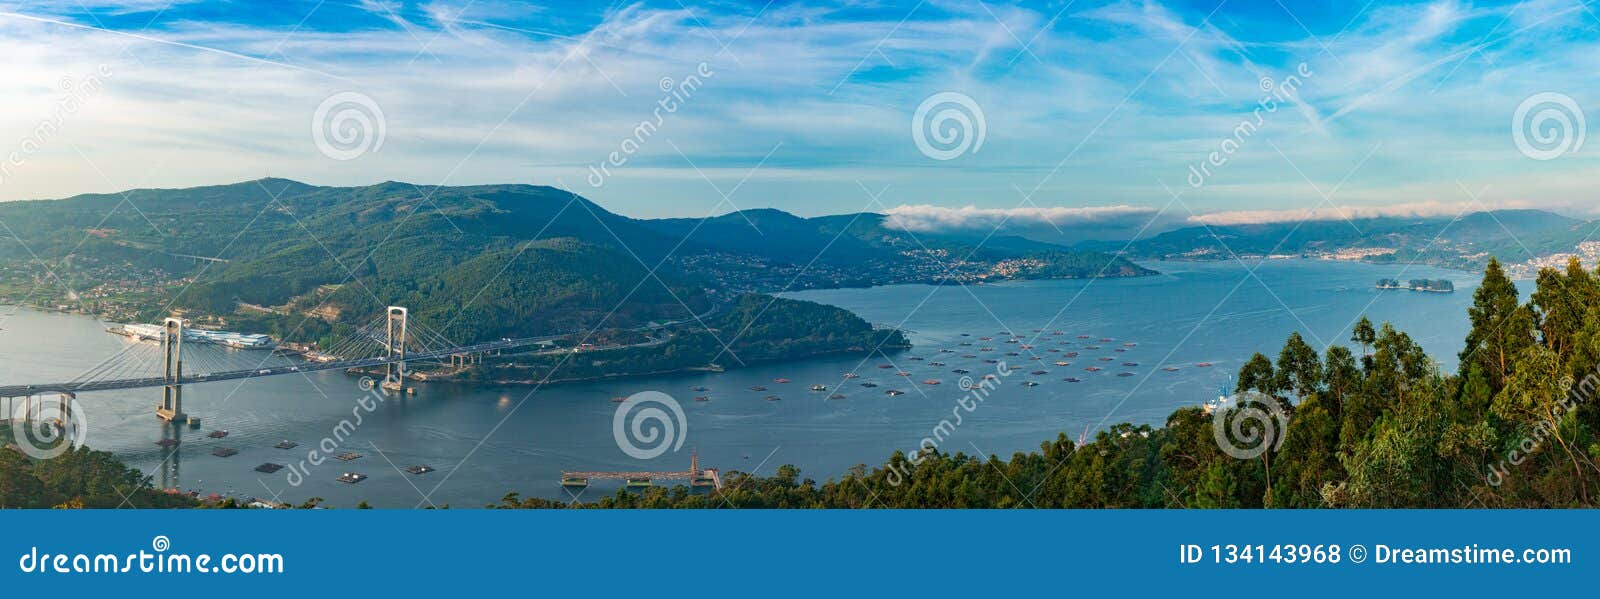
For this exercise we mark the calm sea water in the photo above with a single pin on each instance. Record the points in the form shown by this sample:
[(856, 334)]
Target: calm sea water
[(486, 441)]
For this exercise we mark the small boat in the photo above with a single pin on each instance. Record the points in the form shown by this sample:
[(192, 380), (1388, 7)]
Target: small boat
[(1106, 340), (1130, 364), (773, 398), (1203, 365), (917, 358), (1027, 347), (758, 388), (1124, 374), (961, 371), (1063, 363), (936, 364), (1091, 347), (1012, 353), (869, 384), (902, 373), (1030, 384), (966, 344), (886, 366), (991, 361), (1054, 350), (986, 338), (1105, 358), (1072, 380), (700, 389), (1171, 369), (1093, 369), (819, 388), (946, 350), (780, 380), (836, 396), (702, 398), (894, 392), (1130, 345), (1038, 372), (1119, 350), (1071, 354), (966, 334), (1083, 337), (985, 349), (618, 399), (930, 381), (969, 356), (851, 375), (989, 377)]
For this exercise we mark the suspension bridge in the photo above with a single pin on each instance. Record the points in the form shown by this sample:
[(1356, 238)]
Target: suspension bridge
[(390, 341)]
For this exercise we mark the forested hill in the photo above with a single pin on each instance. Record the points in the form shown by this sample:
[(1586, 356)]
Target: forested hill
[(488, 260)]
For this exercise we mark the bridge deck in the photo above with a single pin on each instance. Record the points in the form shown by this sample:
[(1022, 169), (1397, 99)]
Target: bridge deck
[(77, 387)]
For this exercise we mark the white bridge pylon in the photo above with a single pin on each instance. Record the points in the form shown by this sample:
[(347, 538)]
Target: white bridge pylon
[(394, 373), (171, 406)]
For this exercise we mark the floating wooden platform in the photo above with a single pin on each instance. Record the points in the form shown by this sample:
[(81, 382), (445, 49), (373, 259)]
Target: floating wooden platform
[(269, 468), (224, 452)]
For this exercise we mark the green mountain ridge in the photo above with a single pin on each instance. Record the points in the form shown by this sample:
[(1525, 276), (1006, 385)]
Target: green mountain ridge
[(489, 260)]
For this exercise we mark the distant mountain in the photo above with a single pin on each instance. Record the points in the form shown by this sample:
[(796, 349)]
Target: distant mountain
[(1464, 242), (486, 261)]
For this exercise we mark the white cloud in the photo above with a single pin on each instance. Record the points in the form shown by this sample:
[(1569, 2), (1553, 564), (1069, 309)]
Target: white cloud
[(940, 218)]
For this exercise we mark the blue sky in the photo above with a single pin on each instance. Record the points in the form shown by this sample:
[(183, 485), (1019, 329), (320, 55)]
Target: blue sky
[(1091, 111)]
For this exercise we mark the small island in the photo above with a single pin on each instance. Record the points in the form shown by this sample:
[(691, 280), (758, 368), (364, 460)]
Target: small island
[(1427, 285)]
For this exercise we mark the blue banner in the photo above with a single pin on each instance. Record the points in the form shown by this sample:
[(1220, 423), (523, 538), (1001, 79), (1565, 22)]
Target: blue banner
[(766, 553)]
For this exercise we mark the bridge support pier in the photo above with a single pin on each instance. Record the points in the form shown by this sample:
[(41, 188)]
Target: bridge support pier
[(171, 407)]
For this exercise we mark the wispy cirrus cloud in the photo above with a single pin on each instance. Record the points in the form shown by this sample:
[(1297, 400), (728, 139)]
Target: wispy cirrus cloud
[(1102, 99)]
